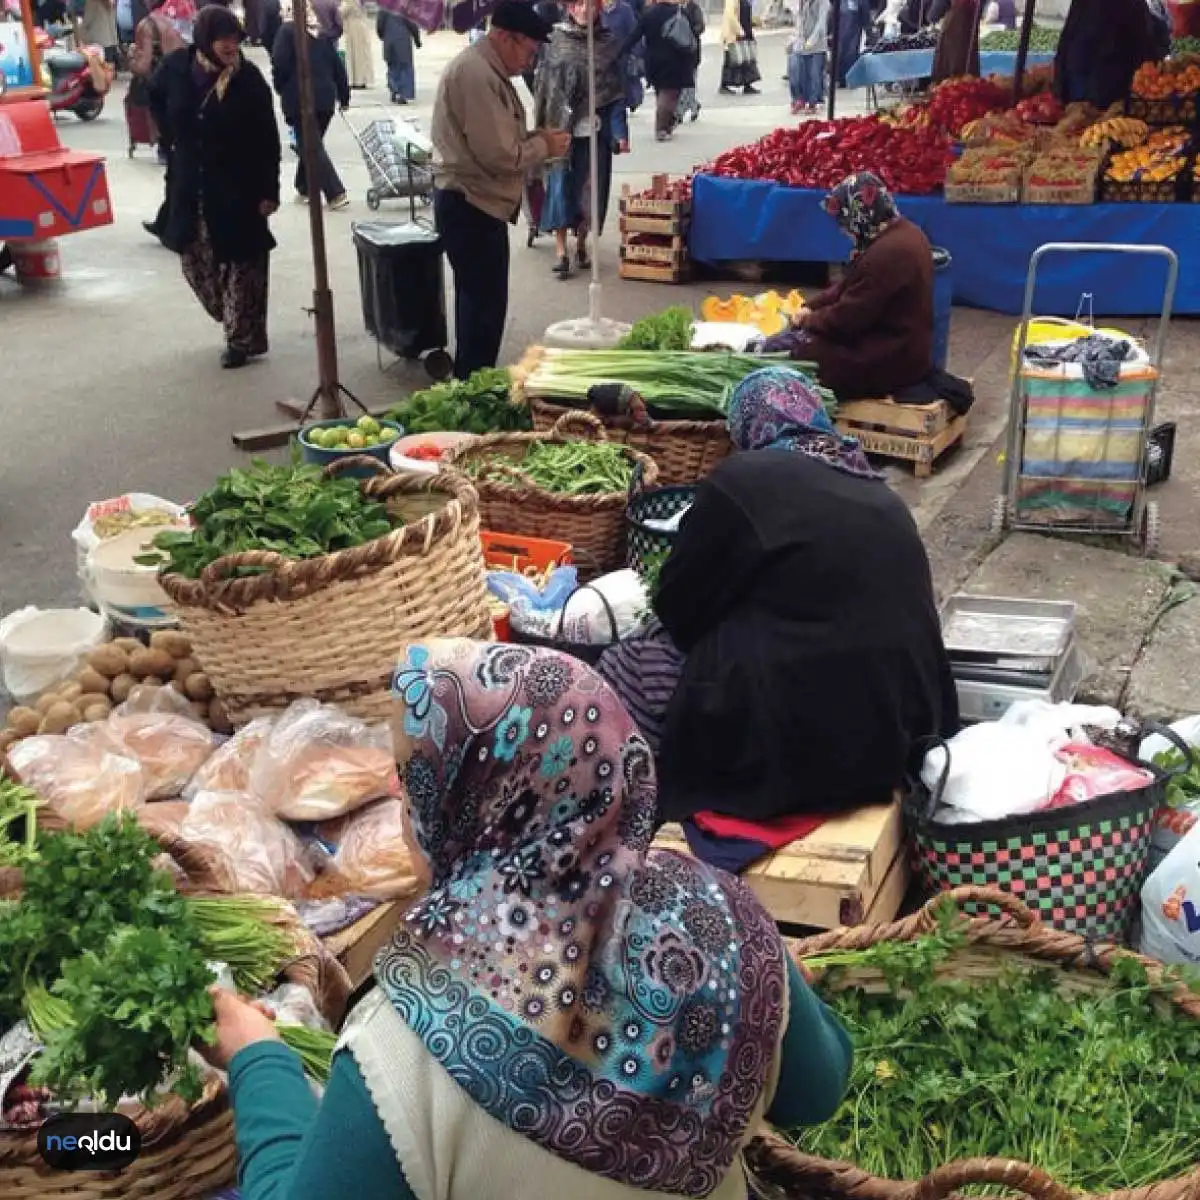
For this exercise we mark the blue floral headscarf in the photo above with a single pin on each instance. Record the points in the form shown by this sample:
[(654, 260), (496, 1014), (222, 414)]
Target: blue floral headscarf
[(863, 207), (779, 408), (621, 1007)]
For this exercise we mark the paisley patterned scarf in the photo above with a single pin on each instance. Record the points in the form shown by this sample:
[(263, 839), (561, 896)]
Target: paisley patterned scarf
[(779, 408), (863, 207), (619, 1007)]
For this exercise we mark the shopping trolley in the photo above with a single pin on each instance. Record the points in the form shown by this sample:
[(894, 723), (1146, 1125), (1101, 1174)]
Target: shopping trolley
[(1078, 458), (399, 159)]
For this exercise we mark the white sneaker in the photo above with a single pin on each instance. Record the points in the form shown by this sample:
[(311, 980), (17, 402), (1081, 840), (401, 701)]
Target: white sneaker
[(339, 202)]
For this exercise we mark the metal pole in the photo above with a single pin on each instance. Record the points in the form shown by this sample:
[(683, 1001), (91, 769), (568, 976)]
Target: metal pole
[(1023, 48), (836, 34), (328, 397), (593, 164)]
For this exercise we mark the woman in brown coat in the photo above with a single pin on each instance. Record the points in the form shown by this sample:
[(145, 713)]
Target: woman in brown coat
[(872, 331)]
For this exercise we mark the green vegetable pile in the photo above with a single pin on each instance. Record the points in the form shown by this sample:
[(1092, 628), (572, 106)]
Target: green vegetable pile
[(111, 965), (1182, 790), (566, 468), (294, 511), (1099, 1088), (1042, 37), (670, 329), (479, 404), (18, 822), (1184, 45)]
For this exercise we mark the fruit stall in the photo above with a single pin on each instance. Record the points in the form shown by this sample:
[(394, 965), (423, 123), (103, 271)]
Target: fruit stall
[(987, 181)]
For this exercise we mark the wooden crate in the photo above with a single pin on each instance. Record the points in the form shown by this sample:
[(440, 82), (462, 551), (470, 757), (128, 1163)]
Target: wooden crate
[(850, 870), (664, 226), (649, 252), (655, 272), (652, 206), (916, 433), (355, 947)]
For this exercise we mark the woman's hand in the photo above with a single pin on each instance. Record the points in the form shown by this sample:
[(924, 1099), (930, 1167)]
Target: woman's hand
[(268, 208), (240, 1023), (801, 319)]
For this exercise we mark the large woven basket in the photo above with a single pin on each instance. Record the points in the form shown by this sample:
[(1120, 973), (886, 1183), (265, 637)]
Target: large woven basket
[(781, 1172), (593, 525), (334, 627), (685, 451)]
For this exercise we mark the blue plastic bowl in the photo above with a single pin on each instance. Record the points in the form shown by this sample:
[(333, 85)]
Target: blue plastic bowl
[(321, 457)]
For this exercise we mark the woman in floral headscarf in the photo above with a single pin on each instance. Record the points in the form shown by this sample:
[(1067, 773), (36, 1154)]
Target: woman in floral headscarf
[(871, 333), (566, 1012), (798, 605)]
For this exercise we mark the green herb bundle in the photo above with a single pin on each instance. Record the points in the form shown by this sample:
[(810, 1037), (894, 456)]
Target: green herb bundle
[(1184, 789), (1097, 1087), (565, 468), (479, 404), (671, 329), (18, 822), (293, 511)]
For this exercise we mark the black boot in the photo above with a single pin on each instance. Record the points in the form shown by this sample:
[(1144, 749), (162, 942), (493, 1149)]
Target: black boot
[(233, 357)]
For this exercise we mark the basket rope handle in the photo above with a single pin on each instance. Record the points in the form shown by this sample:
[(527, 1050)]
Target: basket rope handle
[(1009, 904), (580, 424), (1033, 1181), (367, 461), (221, 569)]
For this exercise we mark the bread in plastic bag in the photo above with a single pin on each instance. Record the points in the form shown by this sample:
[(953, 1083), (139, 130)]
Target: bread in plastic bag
[(83, 775), (158, 727), (371, 855), (248, 848), (228, 768), (319, 763)]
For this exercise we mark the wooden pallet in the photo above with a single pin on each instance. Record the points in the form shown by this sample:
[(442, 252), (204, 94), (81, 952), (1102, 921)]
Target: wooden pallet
[(916, 433), (851, 870)]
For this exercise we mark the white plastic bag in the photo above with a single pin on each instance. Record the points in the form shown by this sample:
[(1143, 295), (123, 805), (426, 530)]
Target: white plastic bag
[(158, 727), (105, 518), (42, 647), (1171, 905), (228, 768), (587, 618)]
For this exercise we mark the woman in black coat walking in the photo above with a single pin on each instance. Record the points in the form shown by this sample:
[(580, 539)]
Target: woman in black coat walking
[(214, 112), (331, 90), (670, 66)]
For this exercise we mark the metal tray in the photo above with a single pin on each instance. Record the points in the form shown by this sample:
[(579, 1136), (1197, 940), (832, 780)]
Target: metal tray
[(1001, 629), (980, 701)]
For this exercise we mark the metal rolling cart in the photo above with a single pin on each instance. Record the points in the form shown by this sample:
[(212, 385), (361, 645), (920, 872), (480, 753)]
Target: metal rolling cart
[(398, 157), (1102, 489)]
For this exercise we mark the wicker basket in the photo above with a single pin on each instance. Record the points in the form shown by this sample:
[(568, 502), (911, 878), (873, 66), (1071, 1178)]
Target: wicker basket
[(593, 525), (334, 627), (781, 1172), (684, 451)]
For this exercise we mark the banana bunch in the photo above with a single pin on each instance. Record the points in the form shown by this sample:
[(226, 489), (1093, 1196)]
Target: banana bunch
[(1125, 131)]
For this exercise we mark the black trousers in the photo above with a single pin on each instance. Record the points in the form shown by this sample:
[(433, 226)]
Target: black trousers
[(477, 246), (328, 180)]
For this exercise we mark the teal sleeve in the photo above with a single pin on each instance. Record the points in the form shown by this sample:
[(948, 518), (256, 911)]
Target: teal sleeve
[(293, 1147), (815, 1059)]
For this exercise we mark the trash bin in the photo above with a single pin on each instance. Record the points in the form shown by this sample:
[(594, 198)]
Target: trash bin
[(403, 290), (943, 299)]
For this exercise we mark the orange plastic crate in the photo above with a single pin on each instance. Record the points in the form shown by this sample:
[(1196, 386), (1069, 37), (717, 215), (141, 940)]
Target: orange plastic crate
[(512, 552)]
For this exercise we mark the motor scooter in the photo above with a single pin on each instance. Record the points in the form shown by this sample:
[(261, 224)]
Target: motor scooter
[(77, 80)]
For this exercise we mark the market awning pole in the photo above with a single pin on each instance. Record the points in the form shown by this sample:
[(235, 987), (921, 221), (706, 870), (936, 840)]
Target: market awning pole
[(836, 34), (1023, 48)]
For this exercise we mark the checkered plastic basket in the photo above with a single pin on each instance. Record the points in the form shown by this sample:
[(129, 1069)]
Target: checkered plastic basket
[(1080, 868), (656, 504)]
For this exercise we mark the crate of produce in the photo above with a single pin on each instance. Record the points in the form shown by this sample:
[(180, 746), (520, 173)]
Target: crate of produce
[(524, 555), (985, 176), (1062, 176), (656, 209), (916, 433), (511, 500), (270, 629), (1165, 93), (1156, 172), (1005, 990)]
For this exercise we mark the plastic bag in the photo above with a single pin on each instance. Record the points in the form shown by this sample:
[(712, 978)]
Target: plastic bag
[(82, 775), (158, 727), (107, 518), (1171, 905), (587, 620), (1095, 771), (251, 849), (227, 769), (1182, 812), (371, 854), (510, 587), (318, 763), (43, 647)]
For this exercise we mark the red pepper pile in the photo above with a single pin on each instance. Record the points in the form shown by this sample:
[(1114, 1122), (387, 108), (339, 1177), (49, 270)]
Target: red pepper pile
[(1042, 109), (958, 102), (819, 154)]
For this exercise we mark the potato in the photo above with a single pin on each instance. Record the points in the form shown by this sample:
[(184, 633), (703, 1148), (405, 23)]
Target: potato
[(96, 712), (121, 687), (218, 718), (88, 703), (173, 642), (70, 692), (60, 718), (24, 720), (46, 701), (130, 645), (151, 662), (92, 682), (110, 661), (198, 687), (8, 738), (185, 667)]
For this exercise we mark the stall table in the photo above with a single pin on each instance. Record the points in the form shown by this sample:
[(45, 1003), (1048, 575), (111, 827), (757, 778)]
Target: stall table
[(735, 220), (850, 870), (900, 66)]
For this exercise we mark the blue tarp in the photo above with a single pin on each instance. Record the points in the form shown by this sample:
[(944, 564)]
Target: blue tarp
[(898, 65), (736, 220)]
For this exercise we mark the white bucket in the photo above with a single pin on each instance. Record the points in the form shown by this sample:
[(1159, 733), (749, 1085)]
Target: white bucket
[(42, 647), (123, 587)]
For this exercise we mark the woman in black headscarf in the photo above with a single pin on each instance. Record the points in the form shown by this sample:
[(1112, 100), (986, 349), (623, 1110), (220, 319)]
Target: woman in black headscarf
[(1103, 43), (216, 115)]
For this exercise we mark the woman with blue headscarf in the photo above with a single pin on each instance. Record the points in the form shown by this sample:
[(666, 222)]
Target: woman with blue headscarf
[(798, 662)]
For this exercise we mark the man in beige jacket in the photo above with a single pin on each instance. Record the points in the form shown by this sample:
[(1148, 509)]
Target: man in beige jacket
[(482, 152)]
